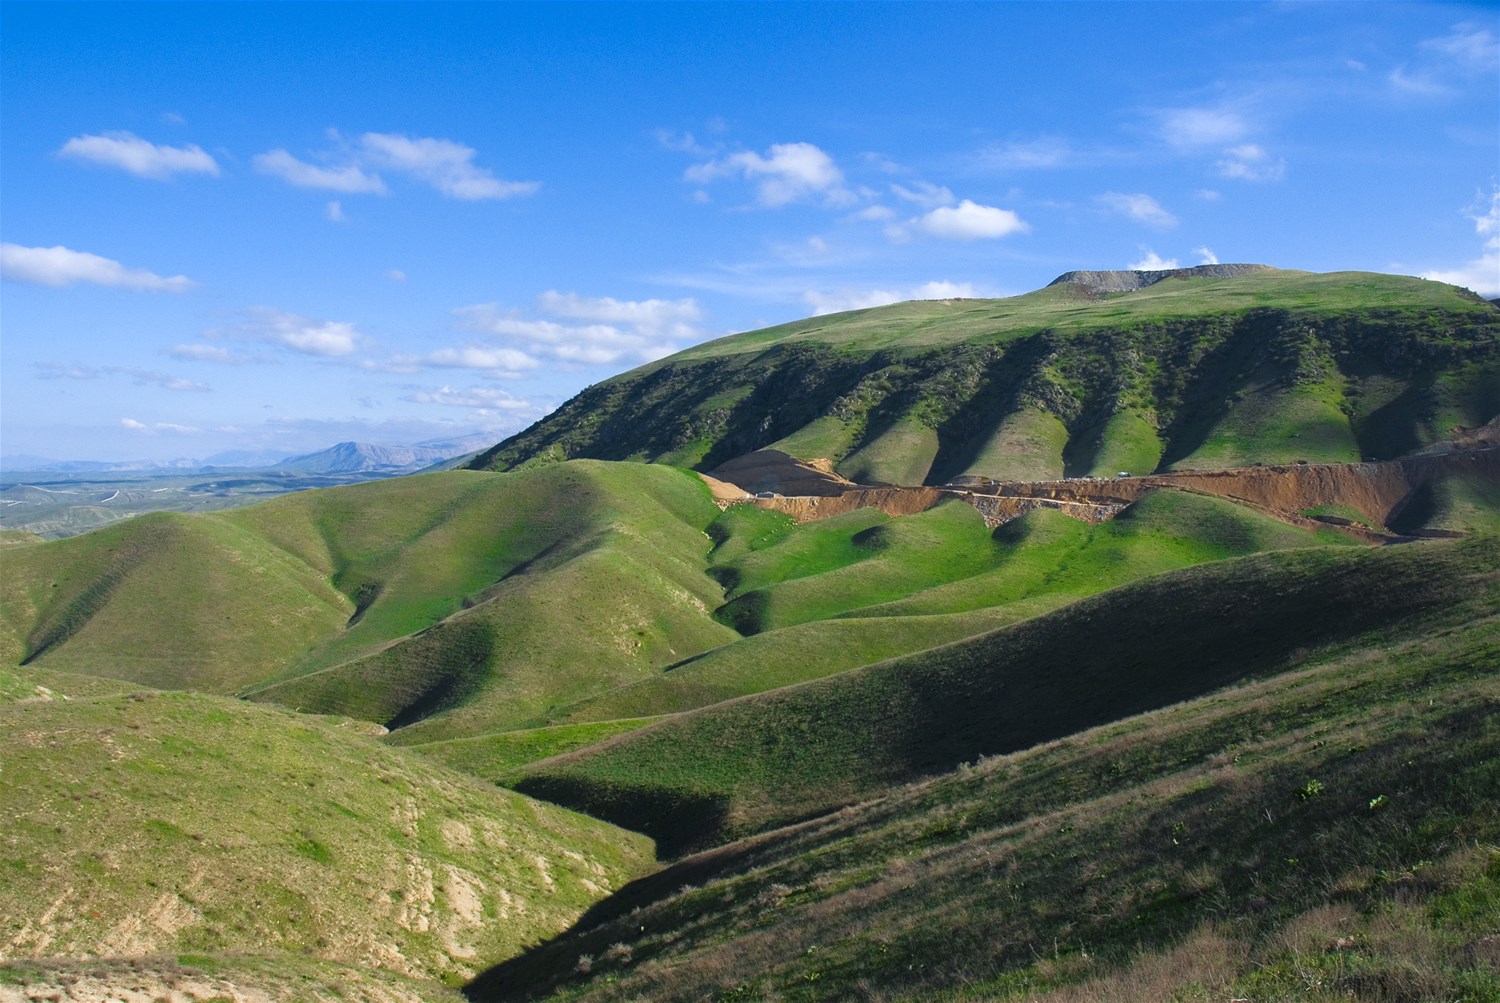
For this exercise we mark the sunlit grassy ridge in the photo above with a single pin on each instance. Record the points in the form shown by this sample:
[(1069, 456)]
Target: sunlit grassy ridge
[(392, 601), (144, 823), (765, 760), (1324, 829), (1188, 373)]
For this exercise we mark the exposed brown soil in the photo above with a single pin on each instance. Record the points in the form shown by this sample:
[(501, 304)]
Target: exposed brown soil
[(1378, 491), (771, 470)]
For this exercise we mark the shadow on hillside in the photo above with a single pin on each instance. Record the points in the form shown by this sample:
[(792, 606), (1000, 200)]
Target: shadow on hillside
[(679, 821)]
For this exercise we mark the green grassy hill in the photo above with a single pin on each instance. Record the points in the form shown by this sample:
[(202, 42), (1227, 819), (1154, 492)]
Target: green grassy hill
[(141, 823), (1192, 372), (761, 761), (391, 601), (1324, 828)]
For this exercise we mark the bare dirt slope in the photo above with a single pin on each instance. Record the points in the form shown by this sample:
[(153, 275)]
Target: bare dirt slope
[(1377, 491)]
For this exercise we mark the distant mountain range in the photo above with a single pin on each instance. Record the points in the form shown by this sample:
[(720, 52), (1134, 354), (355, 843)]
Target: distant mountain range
[(345, 457)]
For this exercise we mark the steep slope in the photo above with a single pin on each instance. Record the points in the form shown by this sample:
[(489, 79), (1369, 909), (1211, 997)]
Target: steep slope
[(1189, 371), (1325, 832), (761, 761), (149, 823)]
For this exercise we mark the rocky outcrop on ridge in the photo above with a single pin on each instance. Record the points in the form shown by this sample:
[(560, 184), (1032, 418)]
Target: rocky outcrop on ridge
[(1129, 281)]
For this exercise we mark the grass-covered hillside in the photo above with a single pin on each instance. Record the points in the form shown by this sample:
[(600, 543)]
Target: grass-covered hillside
[(1309, 813), (145, 823), (390, 601), (1191, 372), (762, 761)]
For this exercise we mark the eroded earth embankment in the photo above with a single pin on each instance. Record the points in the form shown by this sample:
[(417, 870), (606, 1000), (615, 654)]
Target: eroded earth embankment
[(1377, 491)]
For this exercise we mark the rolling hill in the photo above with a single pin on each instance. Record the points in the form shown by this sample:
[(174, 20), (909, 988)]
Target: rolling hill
[(1201, 368), (955, 712), (1322, 829), (145, 823)]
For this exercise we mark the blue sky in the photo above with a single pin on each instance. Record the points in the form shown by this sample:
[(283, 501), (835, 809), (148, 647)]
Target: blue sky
[(277, 226)]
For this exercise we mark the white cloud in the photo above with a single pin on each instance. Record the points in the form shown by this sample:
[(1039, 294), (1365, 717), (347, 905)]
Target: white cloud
[(1206, 256), (1206, 195), (1249, 162), (59, 266), (1482, 275), (789, 172), (324, 338), (611, 329), (669, 318), (501, 360), (970, 221), (488, 398), (395, 275), (157, 427), (148, 377), (447, 166), (1193, 127), (1139, 207), (924, 194), (140, 157), (349, 178), (873, 214), (210, 353), (334, 212), (1152, 262), (840, 300)]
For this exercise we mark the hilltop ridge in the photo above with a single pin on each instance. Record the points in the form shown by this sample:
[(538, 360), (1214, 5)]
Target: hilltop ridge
[(1123, 280), (1194, 368)]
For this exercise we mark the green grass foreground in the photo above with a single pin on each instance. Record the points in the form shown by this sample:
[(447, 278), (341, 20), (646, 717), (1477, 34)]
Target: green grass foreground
[(143, 823), (1322, 828)]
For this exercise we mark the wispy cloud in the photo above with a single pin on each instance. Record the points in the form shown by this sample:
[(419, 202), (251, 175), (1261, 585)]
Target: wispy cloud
[(323, 338), (1249, 162), (484, 398), (1206, 256), (590, 330), (496, 361), (158, 427), (786, 173), (839, 300), (924, 194), (1139, 207), (348, 178), (445, 165), (1482, 274), (136, 374), (140, 157), (1198, 127), (1468, 46), (219, 354), (1036, 154), (60, 266)]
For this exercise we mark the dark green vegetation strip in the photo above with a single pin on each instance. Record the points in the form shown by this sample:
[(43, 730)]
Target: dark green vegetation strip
[(1325, 830), (794, 753), (1197, 373)]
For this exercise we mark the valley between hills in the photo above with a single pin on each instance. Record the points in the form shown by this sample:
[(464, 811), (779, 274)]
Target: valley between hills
[(1135, 638)]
